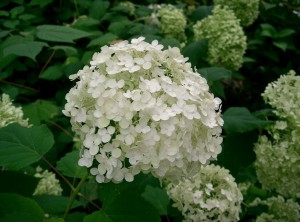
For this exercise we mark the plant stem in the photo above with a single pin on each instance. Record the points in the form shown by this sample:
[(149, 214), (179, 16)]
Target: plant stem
[(59, 173), (19, 85), (47, 62), (74, 194)]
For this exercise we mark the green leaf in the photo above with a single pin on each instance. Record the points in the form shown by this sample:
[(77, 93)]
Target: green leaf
[(21, 146), (120, 27), (52, 73), (8, 183), (217, 88), (98, 216), (40, 3), (237, 152), (285, 33), (57, 33), (215, 73), (14, 207), (170, 42), (69, 51), (201, 12), (98, 9), (268, 30), (196, 52), (124, 203), (25, 48), (158, 198), (103, 40), (282, 45), (39, 111), (240, 120), (54, 220), (55, 204), (68, 165)]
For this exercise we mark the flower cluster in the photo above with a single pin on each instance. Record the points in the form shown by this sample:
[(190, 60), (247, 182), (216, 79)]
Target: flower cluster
[(284, 96), (245, 10), (172, 22), (138, 108), (9, 113), (279, 210), (277, 160), (210, 195), (226, 38), (48, 184), (283, 149)]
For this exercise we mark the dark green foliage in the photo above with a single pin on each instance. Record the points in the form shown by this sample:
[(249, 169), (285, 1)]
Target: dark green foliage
[(43, 42)]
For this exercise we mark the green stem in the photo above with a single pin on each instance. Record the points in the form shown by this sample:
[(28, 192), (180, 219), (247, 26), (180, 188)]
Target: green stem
[(75, 193)]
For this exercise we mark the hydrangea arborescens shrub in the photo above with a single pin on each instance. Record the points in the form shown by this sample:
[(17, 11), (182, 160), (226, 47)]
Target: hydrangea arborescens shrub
[(279, 210), (210, 195), (139, 108), (10, 113), (226, 38), (245, 10), (282, 147)]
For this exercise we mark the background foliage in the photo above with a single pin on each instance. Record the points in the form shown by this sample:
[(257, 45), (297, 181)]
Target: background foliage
[(42, 42)]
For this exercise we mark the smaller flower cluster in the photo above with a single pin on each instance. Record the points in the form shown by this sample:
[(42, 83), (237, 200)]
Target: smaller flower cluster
[(172, 22), (9, 113), (226, 38), (210, 195), (283, 149), (279, 210), (48, 184), (284, 96), (245, 10)]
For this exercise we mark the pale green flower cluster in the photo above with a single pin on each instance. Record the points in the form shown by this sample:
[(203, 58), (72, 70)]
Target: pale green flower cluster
[(210, 195), (279, 210), (172, 22), (245, 10), (226, 38), (284, 96), (277, 162), (48, 184), (9, 113)]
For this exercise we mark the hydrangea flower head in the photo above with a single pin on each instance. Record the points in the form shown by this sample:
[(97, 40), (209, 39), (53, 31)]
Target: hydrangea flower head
[(210, 195), (277, 160), (226, 38), (284, 96), (172, 22), (279, 210), (138, 108), (282, 147), (245, 10), (48, 184), (10, 114)]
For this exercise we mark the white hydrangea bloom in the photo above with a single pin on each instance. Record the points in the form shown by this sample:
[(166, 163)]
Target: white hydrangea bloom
[(210, 195), (284, 96), (138, 108), (48, 184), (279, 210), (9, 113)]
